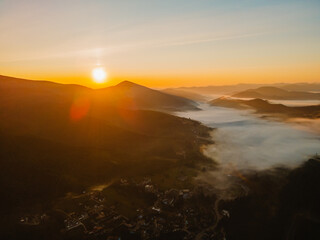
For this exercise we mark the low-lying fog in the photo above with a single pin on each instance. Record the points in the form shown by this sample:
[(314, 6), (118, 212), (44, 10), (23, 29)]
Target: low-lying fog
[(244, 141)]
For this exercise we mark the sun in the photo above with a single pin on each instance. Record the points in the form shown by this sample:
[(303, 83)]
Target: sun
[(99, 75)]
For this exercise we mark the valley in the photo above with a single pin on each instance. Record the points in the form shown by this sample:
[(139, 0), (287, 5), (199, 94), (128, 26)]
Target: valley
[(124, 166)]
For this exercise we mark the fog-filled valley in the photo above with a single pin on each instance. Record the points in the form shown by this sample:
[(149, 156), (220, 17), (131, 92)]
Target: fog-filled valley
[(248, 143), (262, 164), (159, 120), (137, 163)]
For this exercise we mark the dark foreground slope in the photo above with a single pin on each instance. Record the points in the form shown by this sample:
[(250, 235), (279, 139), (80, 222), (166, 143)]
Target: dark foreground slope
[(58, 138), (281, 204)]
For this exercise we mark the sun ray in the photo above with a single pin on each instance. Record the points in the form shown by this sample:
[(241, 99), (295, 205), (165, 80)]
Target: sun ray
[(99, 75)]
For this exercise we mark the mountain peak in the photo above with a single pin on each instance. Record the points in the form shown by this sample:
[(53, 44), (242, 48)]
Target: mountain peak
[(127, 84)]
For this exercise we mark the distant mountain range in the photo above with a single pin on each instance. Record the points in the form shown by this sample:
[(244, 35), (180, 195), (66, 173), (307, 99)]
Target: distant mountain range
[(233, 89), (264, 107), (226, 89), (185, 94), (306, 87), (274, 93)]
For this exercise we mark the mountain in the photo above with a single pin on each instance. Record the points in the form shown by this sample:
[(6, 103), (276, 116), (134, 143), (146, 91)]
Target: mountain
[(125, 94), (306, 87), (263, 106), (185, 94), (57, 138), (233, 89), (274, 93), (137, 96)]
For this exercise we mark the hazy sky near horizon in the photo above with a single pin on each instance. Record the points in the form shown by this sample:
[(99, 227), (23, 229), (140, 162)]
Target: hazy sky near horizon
[(161, 43)]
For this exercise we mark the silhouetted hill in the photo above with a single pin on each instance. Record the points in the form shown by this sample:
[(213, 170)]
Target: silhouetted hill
[(125, 94), (8, 84), (137, 96), (263, 106), (56, 138), (277, 94)]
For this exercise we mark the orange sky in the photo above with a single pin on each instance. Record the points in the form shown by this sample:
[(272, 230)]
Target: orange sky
[(161, 43)]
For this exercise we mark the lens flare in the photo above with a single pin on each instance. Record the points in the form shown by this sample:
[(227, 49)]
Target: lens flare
[(79, 108)]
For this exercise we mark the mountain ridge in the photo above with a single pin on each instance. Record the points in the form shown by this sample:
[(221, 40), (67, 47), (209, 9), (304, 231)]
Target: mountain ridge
[(63, 139), (140, 97), (265, 107), (274, 93)]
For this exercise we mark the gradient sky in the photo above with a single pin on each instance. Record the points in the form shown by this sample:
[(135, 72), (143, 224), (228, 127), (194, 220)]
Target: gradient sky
[(161, 43)]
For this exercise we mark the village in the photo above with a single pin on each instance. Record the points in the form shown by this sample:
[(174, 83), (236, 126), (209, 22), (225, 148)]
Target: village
[(171, 214)]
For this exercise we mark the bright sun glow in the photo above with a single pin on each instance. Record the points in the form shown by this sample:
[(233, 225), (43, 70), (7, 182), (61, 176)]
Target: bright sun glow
[(99, 75)]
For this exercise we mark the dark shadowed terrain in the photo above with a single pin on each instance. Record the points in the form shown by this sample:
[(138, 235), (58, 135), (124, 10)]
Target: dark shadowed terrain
[(58, 138), (114, 163)]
